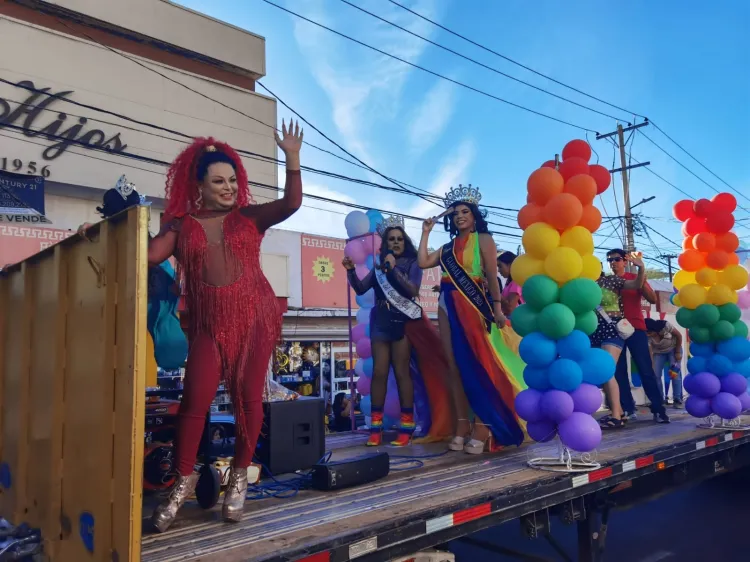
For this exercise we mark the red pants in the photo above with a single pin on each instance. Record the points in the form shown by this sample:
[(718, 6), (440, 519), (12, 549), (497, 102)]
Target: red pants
[(202, 377)]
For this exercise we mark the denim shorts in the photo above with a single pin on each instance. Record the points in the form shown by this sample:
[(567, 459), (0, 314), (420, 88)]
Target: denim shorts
[(606, 333)]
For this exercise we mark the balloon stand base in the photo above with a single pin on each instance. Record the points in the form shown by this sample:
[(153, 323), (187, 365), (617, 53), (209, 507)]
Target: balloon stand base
[(715, 422), (565, 461)]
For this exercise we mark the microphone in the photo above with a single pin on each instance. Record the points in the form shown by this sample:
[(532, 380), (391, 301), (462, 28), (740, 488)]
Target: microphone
[(386, 265)]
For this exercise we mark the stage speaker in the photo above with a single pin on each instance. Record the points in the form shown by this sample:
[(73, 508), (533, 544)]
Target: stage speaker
[(293, 435), (350, 472)]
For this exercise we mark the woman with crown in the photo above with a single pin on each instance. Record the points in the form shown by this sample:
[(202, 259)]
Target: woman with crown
[(234, 321), (480, 348), (398, 329)]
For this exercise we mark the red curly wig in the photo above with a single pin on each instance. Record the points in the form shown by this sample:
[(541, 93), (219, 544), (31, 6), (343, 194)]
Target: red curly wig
[(182, 178)]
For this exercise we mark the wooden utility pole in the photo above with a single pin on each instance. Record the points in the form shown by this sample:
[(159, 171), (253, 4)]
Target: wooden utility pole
[(629, 238), (669, 259)]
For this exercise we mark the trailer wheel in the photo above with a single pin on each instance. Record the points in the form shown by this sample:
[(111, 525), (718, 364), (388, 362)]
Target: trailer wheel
[(209, 486)]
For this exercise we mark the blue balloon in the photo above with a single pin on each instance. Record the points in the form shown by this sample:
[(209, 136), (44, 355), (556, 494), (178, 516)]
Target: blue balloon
[(367, 300), (719, 365), (367, 330), (565, 375), (736, 349), (697, 365), (357, 224), (536, 378), (367, 366), (363, 315), (375, 218), (742, 367), (370, 262), (364, 406), (537, 350), (701, 349), (597, 367), (574, 346)]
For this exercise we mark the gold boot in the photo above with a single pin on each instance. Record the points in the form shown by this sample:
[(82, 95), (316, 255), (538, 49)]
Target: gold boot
[(234, 497), (165, 514)]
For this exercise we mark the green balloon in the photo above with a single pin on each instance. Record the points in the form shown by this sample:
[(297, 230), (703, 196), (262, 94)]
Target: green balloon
[(556, 321), (730, 312), (524, 320), (539, 291), (700, 334), (581, 295), (587, 322), (722, 330), (740, 330), (706, 315), (685, 317)]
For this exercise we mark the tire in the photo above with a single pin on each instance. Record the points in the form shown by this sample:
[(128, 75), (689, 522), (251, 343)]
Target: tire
[(209, 486)]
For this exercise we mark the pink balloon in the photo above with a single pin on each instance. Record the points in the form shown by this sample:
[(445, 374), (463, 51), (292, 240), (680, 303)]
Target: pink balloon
[(358, 332), (361, 271), (356, 251), (364, 348), (743, 299), (363, 385)]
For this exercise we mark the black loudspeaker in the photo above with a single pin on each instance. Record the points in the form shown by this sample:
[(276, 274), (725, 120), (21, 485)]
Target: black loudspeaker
[(351, 472), (293, 436)]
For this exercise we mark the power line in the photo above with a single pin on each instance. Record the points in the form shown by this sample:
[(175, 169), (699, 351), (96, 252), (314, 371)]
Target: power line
[(474, 61), (510, 60), (432, 72)]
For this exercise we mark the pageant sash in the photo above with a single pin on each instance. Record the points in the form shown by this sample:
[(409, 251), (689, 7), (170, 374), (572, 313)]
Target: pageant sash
[(405, 306), (469, 288)]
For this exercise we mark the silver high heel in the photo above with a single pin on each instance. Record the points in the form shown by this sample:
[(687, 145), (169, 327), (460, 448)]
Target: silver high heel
[(165, 514), (234, 497), (459, 441)]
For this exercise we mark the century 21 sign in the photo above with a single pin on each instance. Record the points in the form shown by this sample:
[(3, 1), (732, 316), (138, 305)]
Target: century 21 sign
[(32, 117)]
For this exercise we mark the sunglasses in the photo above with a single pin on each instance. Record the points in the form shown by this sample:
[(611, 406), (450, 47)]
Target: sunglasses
[(614, 260), (395, 239)]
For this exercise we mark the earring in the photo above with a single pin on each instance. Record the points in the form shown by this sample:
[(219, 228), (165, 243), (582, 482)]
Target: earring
[(199, 199)]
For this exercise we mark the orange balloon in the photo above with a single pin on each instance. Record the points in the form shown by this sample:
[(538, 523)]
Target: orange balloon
[(563, 211), (718, 260), (727, 242), (734, 259), (704, 242), (591, 218), (687, 243), (544, 184), (528, 215), (691, 260), (582, 186)]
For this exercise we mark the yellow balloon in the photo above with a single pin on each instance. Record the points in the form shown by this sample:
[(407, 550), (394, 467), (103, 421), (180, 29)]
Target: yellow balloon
[(683, 278), (592, 267), (525, 266), (676, 301), (540, 239), (578, 238), (563, 264), (734, 276), (722, 294), (692, 296), (706, 277)]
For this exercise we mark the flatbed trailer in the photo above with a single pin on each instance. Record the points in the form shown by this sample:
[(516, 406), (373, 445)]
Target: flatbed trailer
[(453, 496)]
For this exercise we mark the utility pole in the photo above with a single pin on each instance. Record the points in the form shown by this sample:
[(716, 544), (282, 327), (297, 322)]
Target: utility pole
[(669, 259)]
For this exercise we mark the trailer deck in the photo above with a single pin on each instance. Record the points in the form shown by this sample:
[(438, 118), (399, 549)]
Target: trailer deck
[(450, 496)]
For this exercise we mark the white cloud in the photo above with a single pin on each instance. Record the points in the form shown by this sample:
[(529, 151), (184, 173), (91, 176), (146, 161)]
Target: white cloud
[(431, 117), (320, 217)]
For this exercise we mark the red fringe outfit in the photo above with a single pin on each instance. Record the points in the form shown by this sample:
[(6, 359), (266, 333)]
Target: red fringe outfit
[(234, 320)]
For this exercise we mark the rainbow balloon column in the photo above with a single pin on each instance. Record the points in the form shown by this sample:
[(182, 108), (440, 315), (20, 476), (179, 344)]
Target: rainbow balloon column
[(557, 274), (363, 247), (708, 282)]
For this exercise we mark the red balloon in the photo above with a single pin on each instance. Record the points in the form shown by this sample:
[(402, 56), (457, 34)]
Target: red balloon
[(694, 226), (683, 210), (601, 176), (549, 164), (577, 149), (724, 202), (573, 166), (703, 208), (720, 222)]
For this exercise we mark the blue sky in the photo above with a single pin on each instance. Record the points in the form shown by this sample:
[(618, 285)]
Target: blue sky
[(683, 64)]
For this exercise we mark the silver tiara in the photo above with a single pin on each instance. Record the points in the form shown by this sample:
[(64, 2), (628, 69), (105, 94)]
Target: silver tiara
[(390, 222), (124, 187), (462, 194)]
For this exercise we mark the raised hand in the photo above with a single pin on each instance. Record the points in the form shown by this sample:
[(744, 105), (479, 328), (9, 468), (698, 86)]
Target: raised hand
[(428, 225), (635, 259), (347, 263), (290, 141)]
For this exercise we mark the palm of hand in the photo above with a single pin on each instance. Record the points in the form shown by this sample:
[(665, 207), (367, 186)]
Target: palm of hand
[(291, 138)]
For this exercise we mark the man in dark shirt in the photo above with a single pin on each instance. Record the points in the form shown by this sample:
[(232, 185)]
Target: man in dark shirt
[(637, 344)]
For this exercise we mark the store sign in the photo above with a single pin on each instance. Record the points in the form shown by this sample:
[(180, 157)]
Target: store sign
[(20, 242), (39, 115), (21, 195)]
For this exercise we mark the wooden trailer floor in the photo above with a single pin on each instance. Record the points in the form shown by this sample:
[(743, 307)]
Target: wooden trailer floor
[(278, 529)]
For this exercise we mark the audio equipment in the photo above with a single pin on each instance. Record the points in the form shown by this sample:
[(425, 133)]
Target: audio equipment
[(350, 472)]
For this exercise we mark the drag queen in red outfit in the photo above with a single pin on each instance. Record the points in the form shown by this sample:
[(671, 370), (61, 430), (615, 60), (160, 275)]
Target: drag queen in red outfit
[(214, 230)]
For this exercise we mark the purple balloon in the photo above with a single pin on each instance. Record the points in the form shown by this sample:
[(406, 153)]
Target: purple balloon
[(698, 407), (541, 431), (356, 250), (362, 271), (726, 406), (359, 332), (527, 405), (580, 432), (688, 385), (734, 383), (364, 348), (745, 401), (556, 405), (587, 398), (363, 385), (706, 385)]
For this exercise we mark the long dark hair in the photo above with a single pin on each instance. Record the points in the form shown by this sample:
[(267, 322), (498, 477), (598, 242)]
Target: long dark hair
[(507, 258), (480, 224), (410, 251)]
